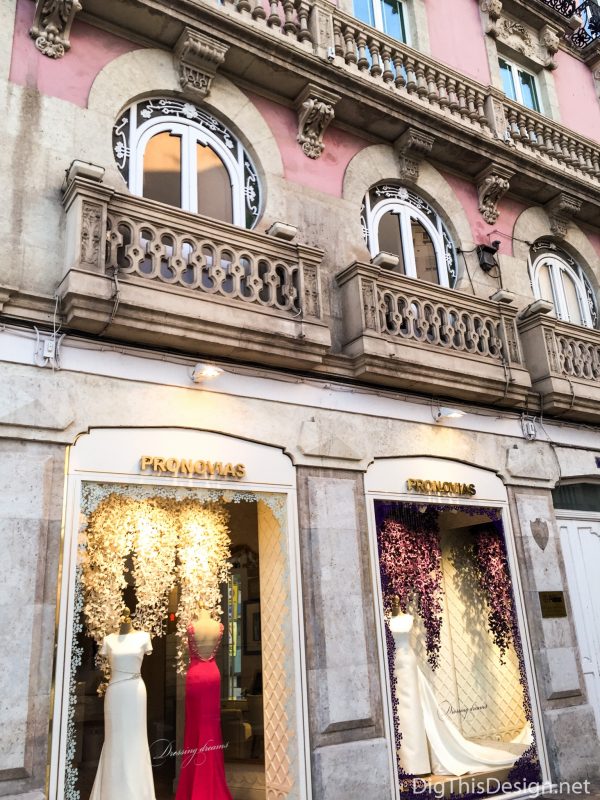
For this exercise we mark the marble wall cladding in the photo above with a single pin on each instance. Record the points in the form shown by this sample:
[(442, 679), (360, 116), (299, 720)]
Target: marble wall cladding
[(30, 508), (344, 691)]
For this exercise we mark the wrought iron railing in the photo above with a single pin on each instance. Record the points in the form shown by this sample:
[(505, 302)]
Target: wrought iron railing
[(588, 10)]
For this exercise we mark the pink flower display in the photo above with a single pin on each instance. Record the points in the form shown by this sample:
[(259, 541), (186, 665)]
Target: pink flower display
[(411, 568)]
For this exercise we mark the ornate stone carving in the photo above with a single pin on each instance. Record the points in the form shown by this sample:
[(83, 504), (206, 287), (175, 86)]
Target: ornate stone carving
[(369, 299), (52, 26), (91, 233), (492, 9), (412, 146), (561, 209), (492, 184), (312, 295), (315, 107), (198, 58), (549, 44)]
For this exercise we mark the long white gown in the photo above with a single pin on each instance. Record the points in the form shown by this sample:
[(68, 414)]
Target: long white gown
[(125, 769), (430, 742)]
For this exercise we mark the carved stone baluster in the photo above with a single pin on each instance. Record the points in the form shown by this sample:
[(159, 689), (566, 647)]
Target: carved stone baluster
[(471, 105), (453, 101), (581, 163), (361, 42), (338, 37), (303, 10), (480, 108), (432, 90), (587, 157), (461, 92), (386, 55), (421, 82), (411, 78), (566, 149), (442, 92), (400, 79), (349, 39), (375, 59), (532, 138), (243, 5), (274, 20), (511, 117), (258, 12), (289, 23), (596, 163), (522, 123), (538, 132)]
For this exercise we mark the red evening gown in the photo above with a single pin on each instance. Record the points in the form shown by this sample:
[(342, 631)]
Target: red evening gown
[(202, 775)]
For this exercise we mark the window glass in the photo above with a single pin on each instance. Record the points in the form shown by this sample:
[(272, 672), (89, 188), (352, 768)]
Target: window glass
[(390, 240), (545, 284), (425, 260), (363, 10), (572, 299), (162, 169), (528, 91), (508, 83), (214, 185), (393, 20)]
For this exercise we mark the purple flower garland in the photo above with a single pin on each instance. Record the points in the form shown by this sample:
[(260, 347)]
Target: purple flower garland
[(494, 578), (526, 770)]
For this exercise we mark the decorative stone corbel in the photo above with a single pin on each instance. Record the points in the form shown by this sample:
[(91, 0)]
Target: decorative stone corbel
[(492, 184), (315, 107), (561, 210), (52, 26), (412, 147), (198, 58), (492, 9), (549, 44)]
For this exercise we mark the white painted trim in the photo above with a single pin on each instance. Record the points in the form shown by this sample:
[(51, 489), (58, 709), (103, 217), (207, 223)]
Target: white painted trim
[(459, 472), (81, 468), (572, 515), (557, 267)]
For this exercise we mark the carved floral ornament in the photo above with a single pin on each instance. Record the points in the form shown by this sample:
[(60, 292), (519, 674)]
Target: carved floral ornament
[(198, 57), (315, 107), (538, 45), (52, 26), (561, 210), (492, 184)]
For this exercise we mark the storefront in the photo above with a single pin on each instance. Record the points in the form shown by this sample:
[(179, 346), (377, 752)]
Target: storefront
[(462, 709), (180, 530)]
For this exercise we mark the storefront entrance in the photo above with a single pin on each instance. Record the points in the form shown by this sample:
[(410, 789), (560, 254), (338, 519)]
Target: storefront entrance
[(462, 715), (189, 557)]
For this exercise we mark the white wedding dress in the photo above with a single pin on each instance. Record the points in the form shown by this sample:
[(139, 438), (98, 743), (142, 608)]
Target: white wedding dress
[(430, 742), (125, 770)]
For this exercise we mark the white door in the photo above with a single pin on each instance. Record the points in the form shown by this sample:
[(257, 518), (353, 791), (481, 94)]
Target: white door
[(580, 540)]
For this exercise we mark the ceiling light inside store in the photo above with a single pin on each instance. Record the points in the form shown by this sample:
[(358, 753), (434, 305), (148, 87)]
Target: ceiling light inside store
[(205, 372), (448, 413)]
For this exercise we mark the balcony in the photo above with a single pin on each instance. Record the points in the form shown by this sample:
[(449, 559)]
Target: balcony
[(141, 271), (415, 335), (564, 363)]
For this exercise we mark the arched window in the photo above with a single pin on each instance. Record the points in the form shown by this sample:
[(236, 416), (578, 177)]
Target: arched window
[(397, 221), (556, 277), (177, 153)]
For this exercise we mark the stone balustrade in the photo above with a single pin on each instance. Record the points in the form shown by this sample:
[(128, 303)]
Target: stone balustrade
[(564, 362), (421, 335), (194, 281)]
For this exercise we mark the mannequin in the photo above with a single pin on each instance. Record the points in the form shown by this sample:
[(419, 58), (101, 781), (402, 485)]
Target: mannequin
[(125, 769), (413, 754), (206, 632)]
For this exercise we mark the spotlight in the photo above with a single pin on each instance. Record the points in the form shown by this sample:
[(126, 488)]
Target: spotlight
[(486, 253), (205, 372), (448, 413)]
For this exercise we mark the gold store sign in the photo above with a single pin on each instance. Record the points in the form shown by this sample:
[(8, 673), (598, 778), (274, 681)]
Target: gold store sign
[(440, 487), (192, 467)]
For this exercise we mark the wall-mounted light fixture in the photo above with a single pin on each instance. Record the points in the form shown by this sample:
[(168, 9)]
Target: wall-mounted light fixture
[(486, 253), (205, 372), (444, 413)]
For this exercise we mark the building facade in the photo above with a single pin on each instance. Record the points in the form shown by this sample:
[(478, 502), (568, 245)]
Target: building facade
[(322, 279)]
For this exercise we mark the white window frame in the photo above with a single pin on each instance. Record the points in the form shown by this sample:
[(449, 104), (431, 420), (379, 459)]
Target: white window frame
[(515, 68), (406, 211), (557, 268), (190, 134), (376, 6)]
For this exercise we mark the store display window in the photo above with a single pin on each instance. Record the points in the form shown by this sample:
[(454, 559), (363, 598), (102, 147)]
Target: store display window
[(166, 687), (460, 701)]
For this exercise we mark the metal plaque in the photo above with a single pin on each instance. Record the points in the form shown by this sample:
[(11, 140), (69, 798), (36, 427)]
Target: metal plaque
[(553, 604)]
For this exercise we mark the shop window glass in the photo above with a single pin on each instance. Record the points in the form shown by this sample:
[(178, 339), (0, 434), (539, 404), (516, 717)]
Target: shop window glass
[(213, 184), (557, 277), (459, 692), (397, 221), (222, 651), (162, 169), (175, 152)]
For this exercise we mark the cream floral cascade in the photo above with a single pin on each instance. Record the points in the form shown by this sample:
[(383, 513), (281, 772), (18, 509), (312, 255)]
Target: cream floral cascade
[(168, 543)]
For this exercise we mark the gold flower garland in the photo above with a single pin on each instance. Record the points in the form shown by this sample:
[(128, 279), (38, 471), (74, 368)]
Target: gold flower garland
[(171, 542)]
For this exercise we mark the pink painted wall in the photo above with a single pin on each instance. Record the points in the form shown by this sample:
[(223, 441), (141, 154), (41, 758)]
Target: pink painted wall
[(482, 232), (577, 98), (326, 173), (69, 78), (456, 39)]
